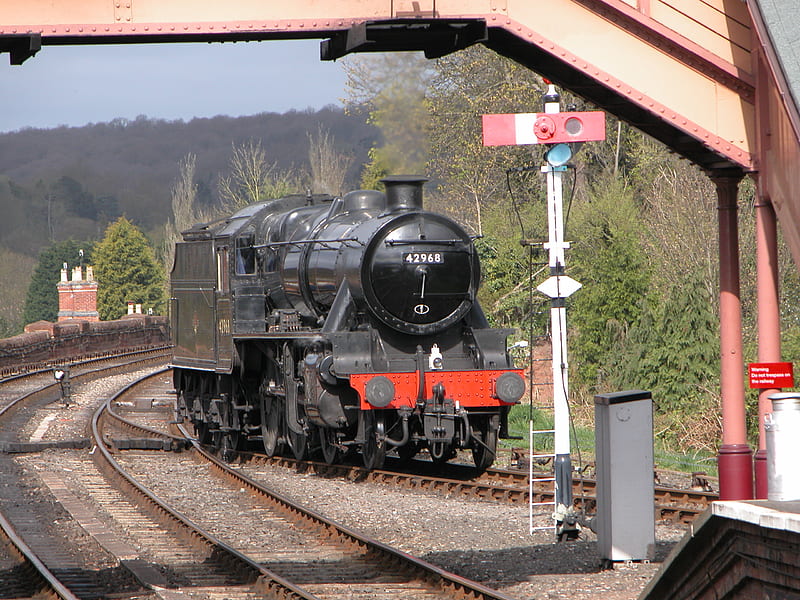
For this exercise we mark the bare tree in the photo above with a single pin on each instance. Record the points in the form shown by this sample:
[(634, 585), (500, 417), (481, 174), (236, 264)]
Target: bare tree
[(253, 178), (184, 209), (465, 85), (328, 166)]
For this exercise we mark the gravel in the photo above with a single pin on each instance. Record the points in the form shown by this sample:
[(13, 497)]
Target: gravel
[(481, 540)]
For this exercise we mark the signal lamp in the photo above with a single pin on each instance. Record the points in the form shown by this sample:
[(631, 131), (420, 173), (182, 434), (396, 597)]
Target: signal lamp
[(558, 155)]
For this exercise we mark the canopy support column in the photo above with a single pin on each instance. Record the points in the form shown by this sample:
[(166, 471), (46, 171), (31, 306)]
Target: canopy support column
[(769, 326), (735, 459)]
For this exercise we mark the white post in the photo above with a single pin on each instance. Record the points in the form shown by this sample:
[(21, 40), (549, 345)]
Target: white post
[(558, 291)]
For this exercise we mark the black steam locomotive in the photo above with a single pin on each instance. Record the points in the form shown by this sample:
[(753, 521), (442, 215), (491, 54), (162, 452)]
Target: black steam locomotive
[(338, 324)]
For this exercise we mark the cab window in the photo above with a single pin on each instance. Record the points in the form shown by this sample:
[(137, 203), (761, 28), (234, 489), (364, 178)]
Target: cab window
[(245, 256)]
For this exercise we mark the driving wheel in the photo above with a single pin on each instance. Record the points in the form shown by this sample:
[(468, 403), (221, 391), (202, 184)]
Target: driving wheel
[(374, 449), (271, 417), (228, 446), (298, 442), (484, 446), (331, 452)]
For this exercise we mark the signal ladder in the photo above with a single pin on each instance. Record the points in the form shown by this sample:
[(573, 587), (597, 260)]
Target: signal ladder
[(540, 511)]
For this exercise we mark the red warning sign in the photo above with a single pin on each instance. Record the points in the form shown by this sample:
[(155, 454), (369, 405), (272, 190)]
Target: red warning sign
[(771, 375)]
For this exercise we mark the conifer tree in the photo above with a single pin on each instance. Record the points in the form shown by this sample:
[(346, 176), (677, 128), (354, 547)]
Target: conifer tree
[(126, 271), (41, 303), (5, 328), (682, 362), (610, 262)]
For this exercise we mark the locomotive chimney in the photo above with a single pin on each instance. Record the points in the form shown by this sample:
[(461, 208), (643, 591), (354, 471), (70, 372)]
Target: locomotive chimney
[(403, 192)]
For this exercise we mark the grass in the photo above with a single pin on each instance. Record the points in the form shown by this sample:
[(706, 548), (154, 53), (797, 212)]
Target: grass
[(666, 456)]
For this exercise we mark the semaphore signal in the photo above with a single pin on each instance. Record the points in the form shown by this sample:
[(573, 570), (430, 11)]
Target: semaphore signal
[(557, 131)]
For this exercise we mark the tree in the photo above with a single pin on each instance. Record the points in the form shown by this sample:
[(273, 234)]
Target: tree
[(5, 328), (126, 271), (253, 178), (328, 165), (510, 272), (676, 347), (75, 198), (185, 209), (41, 303), (15, 273), (391, 88), (466, 85), (673, 351), (609, 260), (679, 208)]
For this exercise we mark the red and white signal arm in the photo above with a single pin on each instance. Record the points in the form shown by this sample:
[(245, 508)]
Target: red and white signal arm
[(543, 128)]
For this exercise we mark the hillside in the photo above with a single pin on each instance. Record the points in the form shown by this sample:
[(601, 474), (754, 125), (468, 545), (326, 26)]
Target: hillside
[(70, 182), (128, 167)]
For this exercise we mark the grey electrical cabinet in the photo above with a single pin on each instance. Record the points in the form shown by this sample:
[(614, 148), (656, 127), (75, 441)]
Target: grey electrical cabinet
[(625, 521)]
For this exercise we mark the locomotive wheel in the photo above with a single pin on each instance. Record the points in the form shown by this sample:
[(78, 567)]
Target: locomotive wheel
[(298, 442), (180, 408), (271, 418), (228, 445), (330, 451), (373, 451), (484, 448)]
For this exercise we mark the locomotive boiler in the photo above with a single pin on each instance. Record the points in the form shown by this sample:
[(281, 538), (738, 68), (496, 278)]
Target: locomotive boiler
[(339, 324)]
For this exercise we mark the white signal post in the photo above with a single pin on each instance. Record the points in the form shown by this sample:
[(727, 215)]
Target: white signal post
[(556, 131)]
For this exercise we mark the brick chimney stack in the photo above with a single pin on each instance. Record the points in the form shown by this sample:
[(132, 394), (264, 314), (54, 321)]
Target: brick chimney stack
[(77, 299)]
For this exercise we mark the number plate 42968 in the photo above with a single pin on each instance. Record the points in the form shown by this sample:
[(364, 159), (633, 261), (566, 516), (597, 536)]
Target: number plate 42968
[(423, 258)]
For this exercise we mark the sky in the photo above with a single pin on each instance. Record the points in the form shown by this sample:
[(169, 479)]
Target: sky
[(76, 85)]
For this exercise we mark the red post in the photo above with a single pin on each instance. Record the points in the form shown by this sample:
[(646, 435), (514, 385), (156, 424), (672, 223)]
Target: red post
[(735, 459), (769, 326)]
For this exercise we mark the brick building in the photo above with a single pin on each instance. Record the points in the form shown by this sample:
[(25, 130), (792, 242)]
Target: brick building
[(77, 298)]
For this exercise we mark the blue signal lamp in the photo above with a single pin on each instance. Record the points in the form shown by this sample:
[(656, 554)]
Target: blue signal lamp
[(558, 155)]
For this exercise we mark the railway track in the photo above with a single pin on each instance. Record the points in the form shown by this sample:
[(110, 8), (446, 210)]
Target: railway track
[(177, 560), (42, 557), (22, 573), (9, 373), (189, 551), (325, 559), (21, 388), (119, 569), (22, 395), (500, 485)]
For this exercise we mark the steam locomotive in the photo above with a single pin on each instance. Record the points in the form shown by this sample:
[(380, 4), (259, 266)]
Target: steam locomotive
[(339, 324)]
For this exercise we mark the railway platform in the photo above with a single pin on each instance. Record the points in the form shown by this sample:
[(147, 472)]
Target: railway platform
[(735, 550)]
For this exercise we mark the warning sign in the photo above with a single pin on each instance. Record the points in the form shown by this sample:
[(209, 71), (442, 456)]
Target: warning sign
[(771, 375)]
